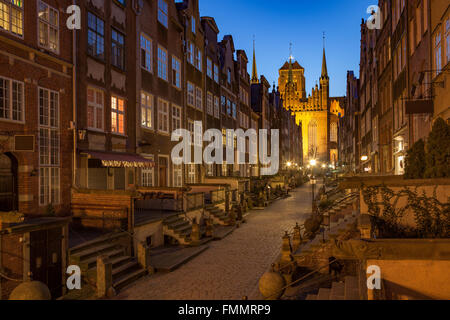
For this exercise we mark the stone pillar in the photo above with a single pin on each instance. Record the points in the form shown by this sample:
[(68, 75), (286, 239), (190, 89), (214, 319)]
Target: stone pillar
[(104, 277), (209, 228), (365, 227), (297, 239), (143, 256), (195, 235)]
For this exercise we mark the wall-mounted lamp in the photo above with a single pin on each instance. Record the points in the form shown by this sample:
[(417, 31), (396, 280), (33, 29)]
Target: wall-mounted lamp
[(82, 134)]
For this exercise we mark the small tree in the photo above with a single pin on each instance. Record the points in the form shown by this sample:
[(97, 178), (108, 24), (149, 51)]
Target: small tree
[(415, 161), (438, 151)]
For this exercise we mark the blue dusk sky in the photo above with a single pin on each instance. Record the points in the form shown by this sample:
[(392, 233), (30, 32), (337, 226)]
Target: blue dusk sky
[(275, 24)]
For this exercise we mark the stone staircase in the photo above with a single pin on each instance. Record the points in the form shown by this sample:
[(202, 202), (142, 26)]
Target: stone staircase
[(178, 228), (219, 216), (125, 268), (346, 290)]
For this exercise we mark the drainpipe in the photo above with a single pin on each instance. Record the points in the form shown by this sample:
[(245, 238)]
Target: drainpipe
[(74, 106)]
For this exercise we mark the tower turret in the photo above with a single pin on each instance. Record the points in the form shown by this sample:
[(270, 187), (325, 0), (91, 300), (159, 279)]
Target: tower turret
[(254, 79)]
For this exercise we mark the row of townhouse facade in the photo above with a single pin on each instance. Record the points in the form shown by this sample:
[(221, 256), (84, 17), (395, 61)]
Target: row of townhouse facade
[(401, 86), (94, 109)]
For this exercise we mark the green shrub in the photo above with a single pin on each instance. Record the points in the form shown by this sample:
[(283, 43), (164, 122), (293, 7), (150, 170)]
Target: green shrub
[(438, 151), (415, 161)]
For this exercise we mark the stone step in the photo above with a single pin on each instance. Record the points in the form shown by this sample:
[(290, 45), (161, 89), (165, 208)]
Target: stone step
[(181, 230), (351, 288), (311, 297), (93, 252), (126, 268), (324, 294), (337, 291), (128, 278), (180, 226), (113, 254), (172, 220), (119, 261), (96, 242)]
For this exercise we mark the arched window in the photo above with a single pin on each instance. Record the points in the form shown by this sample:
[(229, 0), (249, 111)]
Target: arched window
[(333, 132), (312, 135)]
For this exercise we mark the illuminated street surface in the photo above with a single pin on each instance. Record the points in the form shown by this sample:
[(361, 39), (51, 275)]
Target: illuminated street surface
[(230, 268)]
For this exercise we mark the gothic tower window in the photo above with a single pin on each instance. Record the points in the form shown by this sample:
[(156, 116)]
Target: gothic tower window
[(312, 137)]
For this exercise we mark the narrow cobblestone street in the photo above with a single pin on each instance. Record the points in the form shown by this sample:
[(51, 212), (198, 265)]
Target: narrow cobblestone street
[(230, 268)]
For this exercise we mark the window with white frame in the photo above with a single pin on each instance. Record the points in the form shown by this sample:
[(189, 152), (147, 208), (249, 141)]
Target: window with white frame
[(437, 53), (147, 101), (176, 72), (49, 147), (190, 53), (95, 107), (148, 176), (216, 73), (163, 116), (146, 53), (198, 59), (11, 100), (11, 16), (163, 11), (162, 63), (190, 94), (199, 98), (209, 68), (192, 173), (216, 107), (176, 118), (48, 18), (198, 135), (117, 115), (209, 103), (447, 39), (177, 176)]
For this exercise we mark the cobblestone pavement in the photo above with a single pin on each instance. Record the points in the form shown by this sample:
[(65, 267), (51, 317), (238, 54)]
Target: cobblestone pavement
[(230, 269)]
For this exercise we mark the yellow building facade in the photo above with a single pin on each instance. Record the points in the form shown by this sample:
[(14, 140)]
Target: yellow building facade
[(318, 114)]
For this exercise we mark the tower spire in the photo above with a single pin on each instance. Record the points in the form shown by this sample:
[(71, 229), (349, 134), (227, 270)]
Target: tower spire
[(324, 61), (290, 76), (255, 79)]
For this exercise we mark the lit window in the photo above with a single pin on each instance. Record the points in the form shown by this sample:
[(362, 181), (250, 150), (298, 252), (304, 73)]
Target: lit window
[(117, 49), (117, 115), (190, 94), (11, 16), (146, 53), (163, 116), (163, 10), (333, 132), (49, 147), (11, 100), (147, 110), (48, 18), (95, 108), (176, 72), (96, 36), (162, 63)]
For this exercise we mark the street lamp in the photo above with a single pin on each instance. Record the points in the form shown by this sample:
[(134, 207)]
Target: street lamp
[(313, 163)]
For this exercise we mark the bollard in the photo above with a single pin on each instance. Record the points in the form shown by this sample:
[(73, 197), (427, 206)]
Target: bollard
[(297, 239)]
